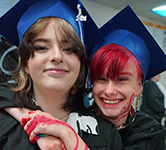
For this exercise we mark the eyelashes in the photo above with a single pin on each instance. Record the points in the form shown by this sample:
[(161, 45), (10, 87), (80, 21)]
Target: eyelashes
[(46, 48), (118, 79), (39, 47)]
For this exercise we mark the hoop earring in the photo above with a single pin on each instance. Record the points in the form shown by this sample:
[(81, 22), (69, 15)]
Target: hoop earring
[(137, 101), (132, 111)]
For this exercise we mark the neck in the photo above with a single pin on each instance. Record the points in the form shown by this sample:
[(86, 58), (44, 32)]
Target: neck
[(117, 121), (120, 120), (51, 101)]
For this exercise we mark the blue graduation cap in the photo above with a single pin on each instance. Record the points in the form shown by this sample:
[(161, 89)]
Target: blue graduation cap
[(127, 30), (20, 17)]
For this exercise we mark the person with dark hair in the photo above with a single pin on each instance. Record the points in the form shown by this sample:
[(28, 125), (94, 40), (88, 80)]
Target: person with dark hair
[(50, 78)]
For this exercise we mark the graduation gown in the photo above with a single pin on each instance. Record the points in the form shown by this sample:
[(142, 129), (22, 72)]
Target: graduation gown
[(145, 133), (14, 137), (153, 101)]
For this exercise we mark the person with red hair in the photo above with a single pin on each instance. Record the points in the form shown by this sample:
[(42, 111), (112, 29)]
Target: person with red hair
[(126, 57), (118, 74)]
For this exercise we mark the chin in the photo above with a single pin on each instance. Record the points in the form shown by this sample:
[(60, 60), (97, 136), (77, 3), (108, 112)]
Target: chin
[(109, 113)]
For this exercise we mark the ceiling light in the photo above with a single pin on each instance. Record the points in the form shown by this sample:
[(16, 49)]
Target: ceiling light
[(160, 10)]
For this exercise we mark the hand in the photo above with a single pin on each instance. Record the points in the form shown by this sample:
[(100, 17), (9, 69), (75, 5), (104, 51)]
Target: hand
[(48, 142), (41, 122), (51, 143), (27, 117)]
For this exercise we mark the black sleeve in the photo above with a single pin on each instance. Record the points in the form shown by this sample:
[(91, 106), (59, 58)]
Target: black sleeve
[(6, 96), (12, 135), (154, 97)]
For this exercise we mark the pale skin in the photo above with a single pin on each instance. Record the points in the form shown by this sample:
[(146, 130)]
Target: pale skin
[(49, 142), (56, 79), (41, 122), (53, 73), (114, 97), (54, 140), (121, 92)]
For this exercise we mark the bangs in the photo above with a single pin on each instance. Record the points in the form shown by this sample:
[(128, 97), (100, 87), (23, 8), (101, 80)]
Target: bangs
[(64, 27), (66, 30), (109, 61)]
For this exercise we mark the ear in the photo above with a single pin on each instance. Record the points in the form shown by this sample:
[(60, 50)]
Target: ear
[(26, 70)]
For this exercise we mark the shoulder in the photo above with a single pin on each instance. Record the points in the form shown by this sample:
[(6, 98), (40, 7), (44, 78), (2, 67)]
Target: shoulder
[(144, 132), (5, 89), (149, 84), (12, 134), (6, 96), (145, 124)]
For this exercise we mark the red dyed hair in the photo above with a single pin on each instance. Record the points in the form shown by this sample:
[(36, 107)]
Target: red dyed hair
[(110, 60)]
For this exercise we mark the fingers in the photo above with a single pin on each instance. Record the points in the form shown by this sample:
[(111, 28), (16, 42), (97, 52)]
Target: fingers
[(35, 112), (33, 140), (24, 120), (32, 124), (64, 148), (28, 117), (37, 122), (34, 134), (35, 131)]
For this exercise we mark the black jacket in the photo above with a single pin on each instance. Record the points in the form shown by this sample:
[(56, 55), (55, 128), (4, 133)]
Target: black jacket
[(12, 136), (153, 100), (145, 133)]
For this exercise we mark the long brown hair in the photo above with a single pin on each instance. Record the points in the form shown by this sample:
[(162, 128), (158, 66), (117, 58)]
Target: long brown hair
[(23, 85)]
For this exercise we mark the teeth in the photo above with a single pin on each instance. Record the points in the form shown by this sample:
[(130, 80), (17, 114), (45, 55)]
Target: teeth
[(111, 102)]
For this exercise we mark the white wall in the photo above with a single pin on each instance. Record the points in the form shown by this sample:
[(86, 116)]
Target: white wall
[(102, 13), (163, 79), (5, 5)]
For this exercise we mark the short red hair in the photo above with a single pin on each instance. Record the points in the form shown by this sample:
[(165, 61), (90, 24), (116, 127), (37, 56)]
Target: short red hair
[(111, 59)]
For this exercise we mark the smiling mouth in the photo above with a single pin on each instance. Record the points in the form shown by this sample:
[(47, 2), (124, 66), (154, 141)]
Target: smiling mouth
[(111, 101), (56, 71)]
